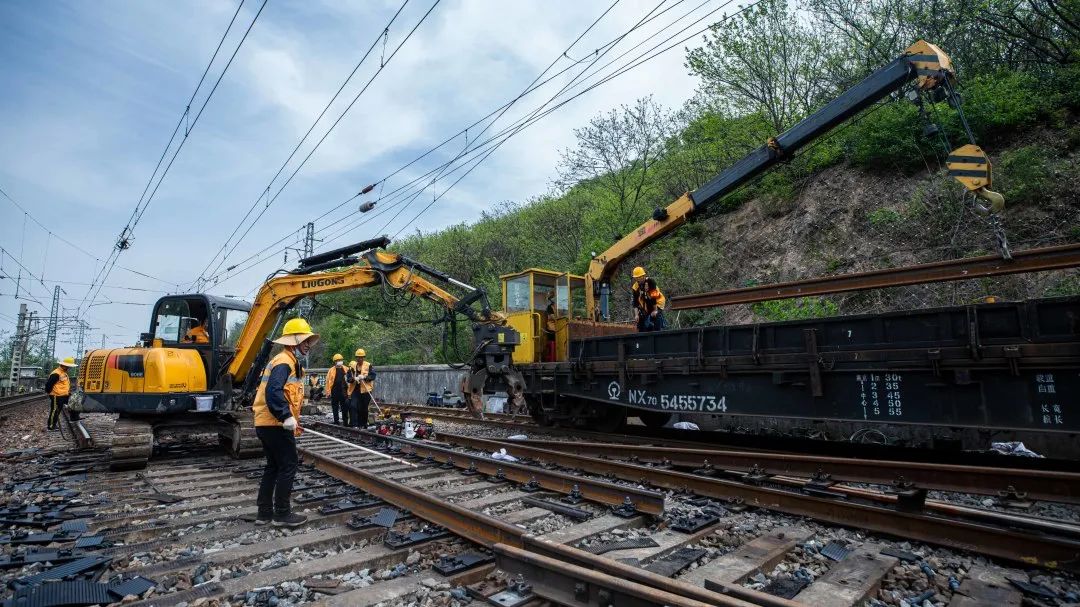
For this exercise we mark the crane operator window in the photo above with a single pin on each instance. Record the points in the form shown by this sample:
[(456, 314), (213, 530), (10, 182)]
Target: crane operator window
[(172, 320)]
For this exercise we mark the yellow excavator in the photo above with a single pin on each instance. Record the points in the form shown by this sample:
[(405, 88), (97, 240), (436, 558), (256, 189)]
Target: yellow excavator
[(197, 368)]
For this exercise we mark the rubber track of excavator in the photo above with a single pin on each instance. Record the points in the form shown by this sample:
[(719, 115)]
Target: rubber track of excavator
[(132, 444)]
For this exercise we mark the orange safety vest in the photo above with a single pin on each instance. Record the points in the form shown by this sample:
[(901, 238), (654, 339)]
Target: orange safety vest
[(648, 299), (197, 335), (294, 392), (366, 385), (330, 376), (63, 386)]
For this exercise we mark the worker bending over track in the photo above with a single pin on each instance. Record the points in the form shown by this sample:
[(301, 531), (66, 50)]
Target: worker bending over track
[(337, 389), (58, 387), (648, 302), (362, 380), (277, 423)]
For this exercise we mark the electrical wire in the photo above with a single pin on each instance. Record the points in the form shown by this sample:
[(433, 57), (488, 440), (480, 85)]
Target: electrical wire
[(125, 235), (382, 36), (509, 131), (382, 66)]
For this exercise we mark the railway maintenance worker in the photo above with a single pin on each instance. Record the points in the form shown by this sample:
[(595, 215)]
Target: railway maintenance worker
[(277, 423), (337, 390), (198, 334), (648, 302), (363, 382), (58, 387)]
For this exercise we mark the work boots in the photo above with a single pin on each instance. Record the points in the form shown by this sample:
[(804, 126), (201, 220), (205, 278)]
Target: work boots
[(289, 520)]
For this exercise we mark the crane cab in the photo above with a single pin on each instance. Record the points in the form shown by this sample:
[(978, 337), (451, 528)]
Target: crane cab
[(541, 305)]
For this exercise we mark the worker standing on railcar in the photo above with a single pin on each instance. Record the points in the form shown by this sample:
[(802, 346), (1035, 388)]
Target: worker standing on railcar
[(648, 302), (363, 382), (277, 423), (337, 390), (58, 387)]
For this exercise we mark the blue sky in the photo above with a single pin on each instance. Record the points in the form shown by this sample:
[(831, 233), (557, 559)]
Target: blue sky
[(92, 90)]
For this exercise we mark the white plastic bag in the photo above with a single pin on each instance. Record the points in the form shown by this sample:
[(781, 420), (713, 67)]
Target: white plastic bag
[(518, 437), (501, 454), (1013, 448), (686, 426)]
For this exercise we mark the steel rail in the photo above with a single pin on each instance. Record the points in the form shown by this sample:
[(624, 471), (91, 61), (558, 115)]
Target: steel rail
[(986, 480), (500, 536), (645, 502), (1032, 260), (1053, 552)]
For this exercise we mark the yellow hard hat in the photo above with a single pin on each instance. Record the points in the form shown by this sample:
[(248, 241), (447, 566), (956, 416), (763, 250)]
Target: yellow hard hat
[(360, 352), (639, 272), (68, 362), (295, 332), (338, 357)]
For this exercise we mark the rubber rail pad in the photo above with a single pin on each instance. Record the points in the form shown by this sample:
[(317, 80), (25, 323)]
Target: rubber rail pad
[(675, 562), (449, 565), (136, 585), (74, 525), (40, 556), (627, 544), (89, 541), (835, 550), (786, 588), (63, 571), (77, 592)]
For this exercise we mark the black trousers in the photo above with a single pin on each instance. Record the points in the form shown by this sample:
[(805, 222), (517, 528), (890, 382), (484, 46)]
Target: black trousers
[(337, 403), (647, 323), (56, 404), (275, 489), (358, 408)]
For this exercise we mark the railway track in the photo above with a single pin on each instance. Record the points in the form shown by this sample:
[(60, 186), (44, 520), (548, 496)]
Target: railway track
[(398, 522)]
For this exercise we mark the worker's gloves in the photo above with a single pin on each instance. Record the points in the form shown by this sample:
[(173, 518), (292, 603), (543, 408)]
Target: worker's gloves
[(290, 424)]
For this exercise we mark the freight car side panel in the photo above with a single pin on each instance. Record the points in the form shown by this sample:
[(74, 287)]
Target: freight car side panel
[(1003, 366), (1045, 400)]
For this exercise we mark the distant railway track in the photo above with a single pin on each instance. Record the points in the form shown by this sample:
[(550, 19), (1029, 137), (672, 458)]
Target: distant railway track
[(16, 400)]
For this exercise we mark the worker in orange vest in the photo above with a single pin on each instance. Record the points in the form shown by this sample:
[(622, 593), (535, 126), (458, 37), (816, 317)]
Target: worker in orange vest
[(337, 389), (362, 382), (277, 424), (58, 387), (648, 302)]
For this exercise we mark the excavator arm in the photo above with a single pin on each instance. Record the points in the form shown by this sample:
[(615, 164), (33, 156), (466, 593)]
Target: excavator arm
[(926, 64), (317, 275)]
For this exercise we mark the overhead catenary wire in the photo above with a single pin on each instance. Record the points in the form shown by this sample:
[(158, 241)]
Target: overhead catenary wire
[(479, 147), (530, 119), (129, 228), (465, 130), (382, 66), (382, 36)]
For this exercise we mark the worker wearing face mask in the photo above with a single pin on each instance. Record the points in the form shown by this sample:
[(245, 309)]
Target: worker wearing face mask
[(277, 423)]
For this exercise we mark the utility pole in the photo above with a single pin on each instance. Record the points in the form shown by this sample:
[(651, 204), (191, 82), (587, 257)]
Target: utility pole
[(309, 249), (102, 340), (54, 321), (18, 347), (83, 326)]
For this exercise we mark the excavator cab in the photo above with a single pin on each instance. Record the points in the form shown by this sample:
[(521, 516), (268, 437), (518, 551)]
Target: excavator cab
[(541, 306), (207, 324)]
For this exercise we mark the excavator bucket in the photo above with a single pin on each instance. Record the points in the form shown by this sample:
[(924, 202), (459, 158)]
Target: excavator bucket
[(970, 166)]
